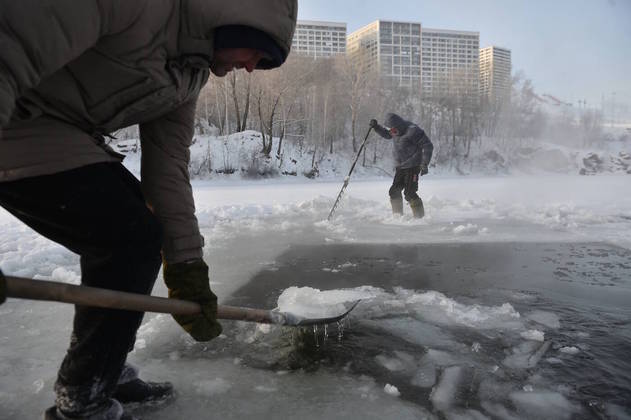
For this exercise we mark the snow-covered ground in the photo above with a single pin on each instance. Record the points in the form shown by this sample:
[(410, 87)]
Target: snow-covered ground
[(249, 224)]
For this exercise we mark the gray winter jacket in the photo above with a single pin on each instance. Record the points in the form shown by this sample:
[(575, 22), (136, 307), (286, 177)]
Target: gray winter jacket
[(72, 71), (411, 147)]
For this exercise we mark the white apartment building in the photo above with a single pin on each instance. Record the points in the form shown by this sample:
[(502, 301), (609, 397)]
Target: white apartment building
[(406, 54), (319, 39), (391, 48), (495, 73), (450, 62)]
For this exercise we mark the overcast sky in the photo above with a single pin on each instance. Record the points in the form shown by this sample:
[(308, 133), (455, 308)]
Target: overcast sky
[(573, 49)]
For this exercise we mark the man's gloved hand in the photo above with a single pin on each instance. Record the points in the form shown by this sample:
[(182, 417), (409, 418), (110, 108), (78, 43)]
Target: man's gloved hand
[(3, 288), (189, 281), (424, 170), (373, 123)]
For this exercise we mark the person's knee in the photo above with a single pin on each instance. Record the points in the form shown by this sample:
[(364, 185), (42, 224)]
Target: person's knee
[(394, 192), (146, 236), (409, 196), (139, 236)]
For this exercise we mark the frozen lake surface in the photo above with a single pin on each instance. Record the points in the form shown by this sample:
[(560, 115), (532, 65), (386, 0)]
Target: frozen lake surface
[(509, 300)]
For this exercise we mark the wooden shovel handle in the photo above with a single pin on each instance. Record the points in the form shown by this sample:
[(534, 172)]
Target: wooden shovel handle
[(23, 288)]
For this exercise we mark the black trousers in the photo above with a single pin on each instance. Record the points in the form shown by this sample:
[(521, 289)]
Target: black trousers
[(405, 180), (98, 212)]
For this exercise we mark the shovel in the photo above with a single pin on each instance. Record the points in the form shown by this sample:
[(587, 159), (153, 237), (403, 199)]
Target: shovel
[(23, 288)]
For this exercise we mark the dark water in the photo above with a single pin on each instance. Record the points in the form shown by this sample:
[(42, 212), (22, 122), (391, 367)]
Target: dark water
[(586, 285)]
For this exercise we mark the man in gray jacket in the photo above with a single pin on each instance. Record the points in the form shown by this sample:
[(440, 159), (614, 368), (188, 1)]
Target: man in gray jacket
[(412, 152), (71, 73)]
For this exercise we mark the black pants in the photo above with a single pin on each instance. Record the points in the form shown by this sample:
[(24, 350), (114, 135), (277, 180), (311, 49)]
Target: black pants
[(98, 212), (405, 180)]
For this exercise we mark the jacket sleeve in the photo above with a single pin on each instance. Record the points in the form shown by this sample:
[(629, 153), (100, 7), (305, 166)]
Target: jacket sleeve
[(165, 181), (382, 132), (428, 149), (38, 37)]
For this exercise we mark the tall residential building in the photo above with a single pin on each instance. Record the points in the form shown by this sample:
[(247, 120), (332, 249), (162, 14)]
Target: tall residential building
[(450, 62), (393, 49), (495, 73), (319, 39)]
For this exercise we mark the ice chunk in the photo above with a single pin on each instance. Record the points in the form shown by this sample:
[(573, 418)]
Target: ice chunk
[(436, 307), (443, 396), (392, 364), (391, 390), (543, 404), (526, 355), (402, 361), (469, 229), (569, 350), (347, 264), (314, 303), (417, 332), (498, 411), (534, 335), (547, 319)]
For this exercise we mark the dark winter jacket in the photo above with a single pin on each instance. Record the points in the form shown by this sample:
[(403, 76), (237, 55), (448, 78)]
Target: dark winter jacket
[(411, 147), (72, 71)]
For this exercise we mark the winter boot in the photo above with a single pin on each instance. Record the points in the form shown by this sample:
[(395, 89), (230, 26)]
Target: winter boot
[(133, 390), (397, 205), (417, 208), (112, 412), (138, 391)]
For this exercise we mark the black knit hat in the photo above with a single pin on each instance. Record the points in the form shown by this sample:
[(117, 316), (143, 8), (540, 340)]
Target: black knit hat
[(239, 36)]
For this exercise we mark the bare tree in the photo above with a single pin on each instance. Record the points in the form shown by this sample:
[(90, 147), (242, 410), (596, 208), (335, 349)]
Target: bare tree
[(358, 77)]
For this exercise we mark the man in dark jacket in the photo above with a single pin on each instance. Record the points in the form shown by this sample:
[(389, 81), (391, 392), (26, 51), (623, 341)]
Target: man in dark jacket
[(72, 72), (412, 152)]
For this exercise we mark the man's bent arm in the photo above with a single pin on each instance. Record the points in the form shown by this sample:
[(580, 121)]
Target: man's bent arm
[(166, 183), (382, 131)]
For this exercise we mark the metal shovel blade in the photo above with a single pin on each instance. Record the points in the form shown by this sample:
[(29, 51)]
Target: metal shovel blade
[(287, 318)]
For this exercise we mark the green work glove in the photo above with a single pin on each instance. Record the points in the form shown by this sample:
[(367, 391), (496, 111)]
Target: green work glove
[(189, 281), (3, 288), (424, 170)]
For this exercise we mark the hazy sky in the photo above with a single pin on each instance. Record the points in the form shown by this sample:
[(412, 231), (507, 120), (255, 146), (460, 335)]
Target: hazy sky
[(573, 49)]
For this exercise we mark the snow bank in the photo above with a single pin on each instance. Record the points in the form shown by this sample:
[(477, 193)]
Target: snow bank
[(238, 156)]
